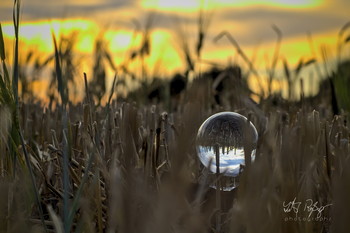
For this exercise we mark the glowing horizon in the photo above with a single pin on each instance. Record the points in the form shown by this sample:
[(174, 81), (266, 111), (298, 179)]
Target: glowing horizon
[(166, 56)]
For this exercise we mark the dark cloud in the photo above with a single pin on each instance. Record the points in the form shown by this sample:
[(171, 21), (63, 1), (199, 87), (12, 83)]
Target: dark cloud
[(5, 11), (47, 9), (291, 23)]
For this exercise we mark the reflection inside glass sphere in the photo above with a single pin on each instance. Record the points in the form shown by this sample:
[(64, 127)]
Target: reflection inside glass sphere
[(221, 143)]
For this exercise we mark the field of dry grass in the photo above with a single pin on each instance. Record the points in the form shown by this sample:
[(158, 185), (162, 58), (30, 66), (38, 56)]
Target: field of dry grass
[(131, 165)]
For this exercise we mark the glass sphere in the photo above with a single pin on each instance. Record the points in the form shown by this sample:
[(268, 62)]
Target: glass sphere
[(220, 145)]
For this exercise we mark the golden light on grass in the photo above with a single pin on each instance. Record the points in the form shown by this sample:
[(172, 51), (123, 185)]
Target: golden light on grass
[(166, 56), (40, 88), (38, 35)]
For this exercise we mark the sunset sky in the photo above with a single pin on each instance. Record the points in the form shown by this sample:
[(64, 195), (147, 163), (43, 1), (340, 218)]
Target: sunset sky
[(249, 22)]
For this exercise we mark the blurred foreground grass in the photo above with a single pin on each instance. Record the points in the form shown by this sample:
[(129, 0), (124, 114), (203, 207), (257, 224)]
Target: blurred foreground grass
[(131, 165), (135, 169)]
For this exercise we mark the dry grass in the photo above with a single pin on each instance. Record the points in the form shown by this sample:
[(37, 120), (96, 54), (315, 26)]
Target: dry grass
[(135, 169)]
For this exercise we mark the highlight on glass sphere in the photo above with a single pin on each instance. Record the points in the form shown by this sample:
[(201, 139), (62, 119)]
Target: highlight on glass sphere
[(224, 134)]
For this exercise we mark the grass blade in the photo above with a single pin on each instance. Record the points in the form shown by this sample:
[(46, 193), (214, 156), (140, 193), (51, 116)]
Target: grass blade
[(62, 89), (299, 67), (275, 57), (343, 29), (56, 220), (347, 39), (59, 72), (112, 91), (2, 45), (32, 178), (243, 55), (79, 192), (16, 10)]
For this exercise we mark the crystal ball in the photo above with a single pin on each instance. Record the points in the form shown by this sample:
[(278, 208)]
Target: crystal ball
[(221, 143)]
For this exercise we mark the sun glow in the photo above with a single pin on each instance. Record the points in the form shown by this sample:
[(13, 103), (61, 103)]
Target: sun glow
[(38, 34)]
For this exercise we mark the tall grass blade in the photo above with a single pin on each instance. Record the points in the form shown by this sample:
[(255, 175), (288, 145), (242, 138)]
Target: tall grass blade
[(243, 55), (62, 89), (56, 220), (2, 45), (310, 61), (203, 25), (275, 57), (79, 192), (110, 60), (12, 90), (299, 66), (6, 95), (58, 70), (32, 178), (112, 91), (343, 29), (87, 89), (185, 48), (341, 41), (287, 73), (347, 40), (65, 175), (16, 11)]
